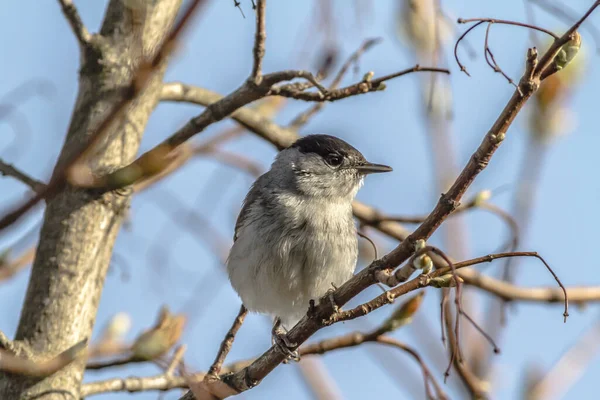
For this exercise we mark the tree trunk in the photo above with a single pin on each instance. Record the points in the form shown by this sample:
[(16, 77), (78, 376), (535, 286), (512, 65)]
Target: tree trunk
[(79, 230)]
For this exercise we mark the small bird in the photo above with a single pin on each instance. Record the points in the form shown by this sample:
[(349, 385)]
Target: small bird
[(295, 237)]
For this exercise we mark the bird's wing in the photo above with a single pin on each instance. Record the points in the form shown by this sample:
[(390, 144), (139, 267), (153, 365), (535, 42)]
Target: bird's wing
[(251, 198)]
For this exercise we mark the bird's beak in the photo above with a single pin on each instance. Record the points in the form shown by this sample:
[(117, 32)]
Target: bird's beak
[(370, 168)]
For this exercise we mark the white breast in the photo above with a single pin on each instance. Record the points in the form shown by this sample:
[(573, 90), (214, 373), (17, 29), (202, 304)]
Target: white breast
[(278, 269)]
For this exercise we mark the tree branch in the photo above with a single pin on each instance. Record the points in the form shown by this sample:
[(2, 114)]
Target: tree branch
[(367, 85), (305, 116), (74, 20), (9, 170), (216, 366), (160, 382), (259, 42)]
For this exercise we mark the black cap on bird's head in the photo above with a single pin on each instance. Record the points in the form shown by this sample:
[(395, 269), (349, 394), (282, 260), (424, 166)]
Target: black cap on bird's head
[(338, 153)]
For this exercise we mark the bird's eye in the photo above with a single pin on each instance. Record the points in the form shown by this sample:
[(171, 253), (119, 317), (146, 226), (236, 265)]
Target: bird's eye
[(334, 159)]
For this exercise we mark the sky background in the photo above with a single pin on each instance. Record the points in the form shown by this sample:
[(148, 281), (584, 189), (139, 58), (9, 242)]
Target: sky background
[(160, 261)]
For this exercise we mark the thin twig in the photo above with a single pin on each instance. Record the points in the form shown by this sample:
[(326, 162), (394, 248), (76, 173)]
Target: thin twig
[(9, 170), (491, 60), (567, 14), (237, 5), (177, 356), (368, 239), (365, 86), (116, 362), (225, 347), (74, 20), (507, 22), (305, 116), (160, 382), (259, 42), (481, 331), (479, 21), (8, 268)]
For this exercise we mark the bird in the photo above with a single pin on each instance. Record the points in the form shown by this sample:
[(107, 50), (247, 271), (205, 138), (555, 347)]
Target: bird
[(295, 238)]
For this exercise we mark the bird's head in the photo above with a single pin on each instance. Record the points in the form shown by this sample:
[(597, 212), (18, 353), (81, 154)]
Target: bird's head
[(325, 166)]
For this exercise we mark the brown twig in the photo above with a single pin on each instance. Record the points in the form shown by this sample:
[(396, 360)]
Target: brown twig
[(74, 20), (479, 21), (117, 362), (225, 347), (23, 366), (9, 170), (237, 5), (357, 338), (259, 42), (402, 275), (567, 14), (305, 116), (160, 382), (491, 60), (461, 37), (506, 22), (8, 268), (365, 86), (177, 357), (368, 239), (483, 333), (548, 57)]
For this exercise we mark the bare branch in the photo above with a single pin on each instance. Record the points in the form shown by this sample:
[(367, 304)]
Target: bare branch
[(9, 170), (259, 42), (74, 20), (367, 85), (22, 366), (160, 382), (101, 364), (563, 11), (305, 116), (237, 5), (215, 368), (177, 357), (548, 58), (8, 268), (489, 21)]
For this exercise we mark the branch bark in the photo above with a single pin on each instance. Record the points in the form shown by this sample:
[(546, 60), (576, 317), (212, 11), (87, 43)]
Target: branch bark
[(79, 229)]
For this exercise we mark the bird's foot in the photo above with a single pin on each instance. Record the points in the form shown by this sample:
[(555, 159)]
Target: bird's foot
[(283, 343), (331, 298)]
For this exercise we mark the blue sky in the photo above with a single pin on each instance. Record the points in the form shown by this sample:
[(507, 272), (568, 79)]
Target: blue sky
[(167, 264)]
